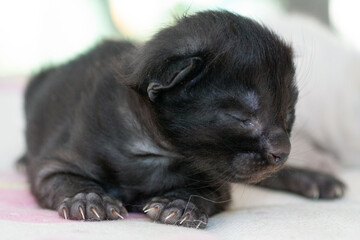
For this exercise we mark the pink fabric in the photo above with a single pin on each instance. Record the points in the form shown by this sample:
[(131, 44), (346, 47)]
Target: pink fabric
[(17, 204)]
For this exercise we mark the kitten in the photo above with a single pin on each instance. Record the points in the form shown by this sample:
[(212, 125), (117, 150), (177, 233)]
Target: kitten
[(167, 126)]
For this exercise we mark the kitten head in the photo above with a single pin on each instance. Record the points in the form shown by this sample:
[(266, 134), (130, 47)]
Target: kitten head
[(224, 93)]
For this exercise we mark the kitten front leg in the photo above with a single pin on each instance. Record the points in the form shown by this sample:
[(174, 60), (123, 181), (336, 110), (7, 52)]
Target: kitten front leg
[(310, 184), (74, 195), (187, 208)]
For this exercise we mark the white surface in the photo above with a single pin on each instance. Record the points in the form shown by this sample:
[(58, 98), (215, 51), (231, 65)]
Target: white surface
[(256, 214)]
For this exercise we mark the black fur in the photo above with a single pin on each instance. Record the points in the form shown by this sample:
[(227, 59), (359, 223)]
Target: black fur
[(167, 125)]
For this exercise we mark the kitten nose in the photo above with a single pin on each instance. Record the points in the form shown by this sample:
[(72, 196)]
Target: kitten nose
[(278, 147), (277, 158)]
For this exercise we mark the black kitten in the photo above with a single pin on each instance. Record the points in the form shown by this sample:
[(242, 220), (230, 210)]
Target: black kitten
[(165, 127)]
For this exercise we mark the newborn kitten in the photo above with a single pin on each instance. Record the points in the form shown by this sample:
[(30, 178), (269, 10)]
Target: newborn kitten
[(167, 126)]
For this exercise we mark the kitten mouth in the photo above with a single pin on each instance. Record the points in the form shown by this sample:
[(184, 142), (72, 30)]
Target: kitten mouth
[(251, 179), (256, 177)]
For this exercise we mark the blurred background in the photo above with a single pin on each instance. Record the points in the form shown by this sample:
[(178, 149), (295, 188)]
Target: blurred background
[(39, 33)]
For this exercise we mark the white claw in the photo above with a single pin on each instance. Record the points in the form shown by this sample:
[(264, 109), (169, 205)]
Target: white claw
[(95, 212), (146, 206), (184, 219), (171, 215), (200, 222), (116, 213), (65, 214), (82, 213), (150, 209)]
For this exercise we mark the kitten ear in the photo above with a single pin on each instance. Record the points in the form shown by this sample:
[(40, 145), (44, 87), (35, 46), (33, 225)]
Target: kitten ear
[(180, 71)]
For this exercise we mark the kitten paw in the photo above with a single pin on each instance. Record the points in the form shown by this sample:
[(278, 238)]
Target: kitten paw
[(176, 212), (317, 185), (91, 206)]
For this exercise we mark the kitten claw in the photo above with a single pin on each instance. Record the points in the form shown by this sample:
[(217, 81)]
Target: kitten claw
[(113, 211), (82, 213), (176, 211), (150, 209), (200, 222), (171, 215), (146, 206), (184, 219), (95, 212), (65, 214)]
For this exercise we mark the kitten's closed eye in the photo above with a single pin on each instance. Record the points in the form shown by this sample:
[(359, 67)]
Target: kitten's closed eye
[(244, 122)]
